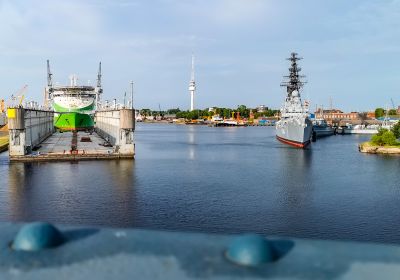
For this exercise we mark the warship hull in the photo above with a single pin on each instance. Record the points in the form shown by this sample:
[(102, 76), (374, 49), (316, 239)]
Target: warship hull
[(293, 133)]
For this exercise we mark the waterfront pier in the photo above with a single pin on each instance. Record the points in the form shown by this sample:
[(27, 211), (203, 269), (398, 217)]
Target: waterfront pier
[(33, 137)]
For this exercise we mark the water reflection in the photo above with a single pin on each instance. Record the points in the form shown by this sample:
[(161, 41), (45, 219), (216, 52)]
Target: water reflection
[(191, 141), (80, 193)]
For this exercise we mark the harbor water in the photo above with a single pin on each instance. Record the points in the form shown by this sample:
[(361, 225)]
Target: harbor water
[(208, 179)]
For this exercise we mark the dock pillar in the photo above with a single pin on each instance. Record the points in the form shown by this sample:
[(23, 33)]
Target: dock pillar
[(117, 126), (27, 129), (17, 134), (127, 127)]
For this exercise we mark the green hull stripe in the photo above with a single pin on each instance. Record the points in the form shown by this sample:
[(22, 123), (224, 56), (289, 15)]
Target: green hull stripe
[(73, 121)]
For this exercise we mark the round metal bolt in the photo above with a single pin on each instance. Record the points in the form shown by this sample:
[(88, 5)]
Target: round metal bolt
[(37, 236), (250, 250)]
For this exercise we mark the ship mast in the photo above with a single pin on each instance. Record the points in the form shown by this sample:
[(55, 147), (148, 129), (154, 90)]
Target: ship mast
[(99, 90), (294, 79), (49, 89)]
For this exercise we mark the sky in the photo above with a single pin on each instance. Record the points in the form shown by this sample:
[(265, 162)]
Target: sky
[(351, 49)]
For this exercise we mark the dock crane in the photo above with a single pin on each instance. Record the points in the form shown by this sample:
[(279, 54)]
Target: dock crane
[(394, 107), (20, 94)]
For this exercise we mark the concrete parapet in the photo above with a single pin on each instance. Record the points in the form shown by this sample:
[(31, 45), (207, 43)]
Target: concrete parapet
[(27, 129), (117, 127), (45, 251)]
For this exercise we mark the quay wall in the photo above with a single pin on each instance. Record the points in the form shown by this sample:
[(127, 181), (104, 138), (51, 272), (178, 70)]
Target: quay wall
[(117, 127), (27, 129)]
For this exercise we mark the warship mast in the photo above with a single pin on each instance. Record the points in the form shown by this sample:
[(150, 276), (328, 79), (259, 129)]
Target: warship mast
[(294, 81)]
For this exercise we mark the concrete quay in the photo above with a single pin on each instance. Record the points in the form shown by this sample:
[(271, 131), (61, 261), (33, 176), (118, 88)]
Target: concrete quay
[(32, 137)]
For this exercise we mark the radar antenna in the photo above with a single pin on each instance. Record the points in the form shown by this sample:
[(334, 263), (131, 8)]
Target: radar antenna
[(49, 75), (294, 81), (99, 76)]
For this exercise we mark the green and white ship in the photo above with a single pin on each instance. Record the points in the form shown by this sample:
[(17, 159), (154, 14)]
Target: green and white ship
[(74, 105)]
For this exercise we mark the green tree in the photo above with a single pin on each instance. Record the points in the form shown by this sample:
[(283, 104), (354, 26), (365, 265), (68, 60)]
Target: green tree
[(243, 111), (379, 112), (145, 112), (396, 130), (392, 112), (384, 137), (181, 114), (388, 138), (173, 111)]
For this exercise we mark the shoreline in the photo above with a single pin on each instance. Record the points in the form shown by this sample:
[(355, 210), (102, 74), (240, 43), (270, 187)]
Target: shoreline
[(369, 148)]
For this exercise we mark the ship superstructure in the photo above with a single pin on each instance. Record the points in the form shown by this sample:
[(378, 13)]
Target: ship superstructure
[(294, 127), (74, 104)]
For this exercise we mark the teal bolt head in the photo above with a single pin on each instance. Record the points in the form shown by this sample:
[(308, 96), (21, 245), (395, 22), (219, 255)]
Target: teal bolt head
[(250, 250), (37, 236)]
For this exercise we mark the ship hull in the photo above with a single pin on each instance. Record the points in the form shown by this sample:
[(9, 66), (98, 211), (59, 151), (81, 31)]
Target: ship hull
[(73, 113), (323, 131), (293, 143), (73, 121), (291, 133)]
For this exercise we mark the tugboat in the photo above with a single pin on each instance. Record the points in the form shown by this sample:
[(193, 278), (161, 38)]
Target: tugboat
[(295, 127)]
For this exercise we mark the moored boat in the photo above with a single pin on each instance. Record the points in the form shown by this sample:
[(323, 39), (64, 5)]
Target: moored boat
[(322, 129)]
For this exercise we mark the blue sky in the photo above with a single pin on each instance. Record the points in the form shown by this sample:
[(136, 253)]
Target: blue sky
[(351, 49)]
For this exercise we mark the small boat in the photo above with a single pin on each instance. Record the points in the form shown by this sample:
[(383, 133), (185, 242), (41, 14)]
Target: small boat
[(195, 122), (361, 129), (322, 129)]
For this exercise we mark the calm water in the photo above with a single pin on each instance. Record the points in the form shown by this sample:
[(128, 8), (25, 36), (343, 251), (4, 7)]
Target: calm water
[(197, 178)]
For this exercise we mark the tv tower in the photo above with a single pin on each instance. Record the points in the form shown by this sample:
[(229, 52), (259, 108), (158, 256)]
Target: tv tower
[(192, 86)]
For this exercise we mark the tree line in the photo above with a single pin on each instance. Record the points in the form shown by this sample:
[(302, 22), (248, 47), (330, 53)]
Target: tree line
[(242, 110), (380, 112)]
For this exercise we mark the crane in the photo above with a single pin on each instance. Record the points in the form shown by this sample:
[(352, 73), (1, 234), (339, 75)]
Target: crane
[(394, 107), (20, 94)]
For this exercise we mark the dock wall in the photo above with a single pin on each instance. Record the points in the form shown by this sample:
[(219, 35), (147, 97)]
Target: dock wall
[(117, 127), (27, 129)]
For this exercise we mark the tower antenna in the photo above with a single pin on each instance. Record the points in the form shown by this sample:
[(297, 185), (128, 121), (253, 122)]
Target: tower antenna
[(192, 86), (192, 73)]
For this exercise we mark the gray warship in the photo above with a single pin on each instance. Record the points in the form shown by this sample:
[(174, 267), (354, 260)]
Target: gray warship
[(295, 127)]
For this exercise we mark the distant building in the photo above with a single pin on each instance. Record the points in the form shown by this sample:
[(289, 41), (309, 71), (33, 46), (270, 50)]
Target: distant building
[(212, 109), (336, 115), (398, 110), (170, 117), (261, 108), (371, 115), (138, 116)]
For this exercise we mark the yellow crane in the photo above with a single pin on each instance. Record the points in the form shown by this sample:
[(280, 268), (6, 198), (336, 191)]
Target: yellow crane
[(21, 94)]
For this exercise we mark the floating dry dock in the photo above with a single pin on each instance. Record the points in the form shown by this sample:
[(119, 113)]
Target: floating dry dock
[(33, 137)]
